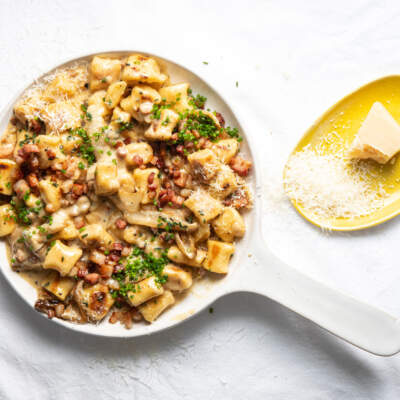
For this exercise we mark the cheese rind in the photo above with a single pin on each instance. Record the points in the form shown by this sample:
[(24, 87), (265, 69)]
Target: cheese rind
[(378, 138)]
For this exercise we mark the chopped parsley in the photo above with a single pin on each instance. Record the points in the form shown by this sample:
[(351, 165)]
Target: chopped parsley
[(86, 113), (28, 139), (49, 219), (197, 121), (26, 195), (86, 149), (97, 135), (198, 101), (165, 122), (41, 229), (139, 265), (234, 133), (22, 213), (168, 224), (124, 126), (156, 110)]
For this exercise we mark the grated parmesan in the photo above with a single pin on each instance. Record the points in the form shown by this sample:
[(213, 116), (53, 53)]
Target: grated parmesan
[(331, 186), (53, 106)]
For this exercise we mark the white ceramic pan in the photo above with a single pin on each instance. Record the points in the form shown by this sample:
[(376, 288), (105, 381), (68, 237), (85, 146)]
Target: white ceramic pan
[(253, 268)]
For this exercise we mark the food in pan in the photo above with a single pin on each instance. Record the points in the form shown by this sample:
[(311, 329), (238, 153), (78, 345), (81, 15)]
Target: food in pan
[(120, 189)]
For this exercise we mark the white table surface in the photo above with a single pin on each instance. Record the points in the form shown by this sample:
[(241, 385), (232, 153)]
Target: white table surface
[(292, 59)]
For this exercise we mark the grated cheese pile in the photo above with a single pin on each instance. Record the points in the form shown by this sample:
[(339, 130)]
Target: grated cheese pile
[(50, 105), (328, 185)]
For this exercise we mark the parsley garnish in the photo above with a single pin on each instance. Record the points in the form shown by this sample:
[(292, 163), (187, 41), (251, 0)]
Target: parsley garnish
[(123, 126), (198, 101), (23, 214), (156, 111), (139, 265), (87, 114), (200, 122), (168, 224), (86, 149), (234, 133)]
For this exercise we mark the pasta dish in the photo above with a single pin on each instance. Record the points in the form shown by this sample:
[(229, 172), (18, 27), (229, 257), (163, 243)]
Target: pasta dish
[(119, 190)]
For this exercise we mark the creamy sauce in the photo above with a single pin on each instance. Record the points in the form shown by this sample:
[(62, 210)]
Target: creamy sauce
[(34, 278), (117, 163)]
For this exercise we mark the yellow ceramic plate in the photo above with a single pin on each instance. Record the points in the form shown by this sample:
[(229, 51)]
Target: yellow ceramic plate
[(344, 119)]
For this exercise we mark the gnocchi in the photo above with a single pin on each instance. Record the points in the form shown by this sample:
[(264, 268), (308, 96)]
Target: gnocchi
[(119, 189)]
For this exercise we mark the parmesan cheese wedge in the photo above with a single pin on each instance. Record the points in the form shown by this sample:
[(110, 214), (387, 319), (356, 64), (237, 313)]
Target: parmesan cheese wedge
[(378, 138)]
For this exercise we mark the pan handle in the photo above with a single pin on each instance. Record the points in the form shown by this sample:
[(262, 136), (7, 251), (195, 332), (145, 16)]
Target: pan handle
[(354, 321)]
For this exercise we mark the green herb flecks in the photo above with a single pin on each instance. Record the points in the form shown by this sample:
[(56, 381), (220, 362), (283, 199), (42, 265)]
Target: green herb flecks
[(139, 265), (169, 224), (86, 149), (234, 133), (124, 126), (87, 114), (156, 110), (23, 214), (198, 101), (201, 123)]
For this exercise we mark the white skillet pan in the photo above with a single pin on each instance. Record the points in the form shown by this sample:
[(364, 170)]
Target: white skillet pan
[(253, 268)]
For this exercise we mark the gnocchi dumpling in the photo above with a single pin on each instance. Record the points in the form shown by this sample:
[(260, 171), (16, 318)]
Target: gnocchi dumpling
[(153, 308), (229, 224), (224, 183), (7, 220), (178, 278), (140, 102), (203, 206), (119, 116), (138, 153), (8, 170), (61, 287), (140, 68), (226, 149), (177, 95), (61, 116), (51, 194), (114, 94), (68, 232), (147, 183), (218, 256), (50, 150), (144, 291), (62, 85), (175, 255), (62, 257), (93, 235), (204, 164), (103, 72), (94, 301), (106, 178), (161, 129)]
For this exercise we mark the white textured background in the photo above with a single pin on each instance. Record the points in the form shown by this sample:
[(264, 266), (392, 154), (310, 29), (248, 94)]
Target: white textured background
[(292, 60)]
